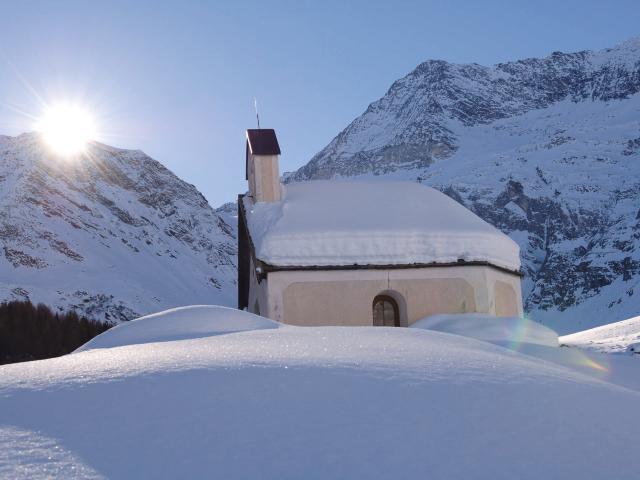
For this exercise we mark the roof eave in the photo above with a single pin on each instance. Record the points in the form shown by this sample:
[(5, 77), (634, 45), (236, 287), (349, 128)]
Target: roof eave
[(267, 267)]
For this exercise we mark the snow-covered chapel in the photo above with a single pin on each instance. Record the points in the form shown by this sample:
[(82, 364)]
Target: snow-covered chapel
[(364, 252)]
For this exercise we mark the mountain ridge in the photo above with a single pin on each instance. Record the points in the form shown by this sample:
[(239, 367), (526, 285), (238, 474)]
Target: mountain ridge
[(536, 83)]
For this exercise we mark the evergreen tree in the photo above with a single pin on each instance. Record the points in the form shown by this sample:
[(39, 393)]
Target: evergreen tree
[(29, 332)]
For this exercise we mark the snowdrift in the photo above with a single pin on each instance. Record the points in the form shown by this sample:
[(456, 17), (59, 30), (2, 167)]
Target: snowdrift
[(498, 330), (179, 324), (289, 402)]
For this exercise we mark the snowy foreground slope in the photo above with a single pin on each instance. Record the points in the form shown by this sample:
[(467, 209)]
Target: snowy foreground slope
[(112, 234), (546, 149), (289, 402)]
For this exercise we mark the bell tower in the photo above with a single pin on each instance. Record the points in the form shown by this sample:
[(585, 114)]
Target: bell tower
[(262, 164)]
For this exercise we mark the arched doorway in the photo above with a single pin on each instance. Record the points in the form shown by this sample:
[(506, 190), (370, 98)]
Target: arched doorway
[(385, 312)]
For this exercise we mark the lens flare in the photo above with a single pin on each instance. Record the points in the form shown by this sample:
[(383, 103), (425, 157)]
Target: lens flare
[(586, 359), (519, 332), (67, 128)]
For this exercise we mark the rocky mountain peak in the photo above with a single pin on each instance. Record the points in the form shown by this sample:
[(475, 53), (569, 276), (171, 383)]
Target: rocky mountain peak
[(547, 149), (112, 233)]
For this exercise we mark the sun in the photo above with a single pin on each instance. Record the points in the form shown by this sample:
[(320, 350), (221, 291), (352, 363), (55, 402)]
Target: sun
[(67, 128)]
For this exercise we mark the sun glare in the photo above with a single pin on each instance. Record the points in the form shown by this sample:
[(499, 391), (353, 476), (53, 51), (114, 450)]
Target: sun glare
[(67, 128)]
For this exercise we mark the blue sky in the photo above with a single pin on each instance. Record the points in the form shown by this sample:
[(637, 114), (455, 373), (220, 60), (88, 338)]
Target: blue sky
[(177, 79)]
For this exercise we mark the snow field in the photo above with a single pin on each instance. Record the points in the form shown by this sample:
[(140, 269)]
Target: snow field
[(326, 402)]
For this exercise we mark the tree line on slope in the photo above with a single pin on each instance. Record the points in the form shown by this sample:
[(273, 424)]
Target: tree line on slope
[(35, 332)]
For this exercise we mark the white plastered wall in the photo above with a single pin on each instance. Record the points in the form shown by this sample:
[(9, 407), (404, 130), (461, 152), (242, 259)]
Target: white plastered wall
[(344, 297)]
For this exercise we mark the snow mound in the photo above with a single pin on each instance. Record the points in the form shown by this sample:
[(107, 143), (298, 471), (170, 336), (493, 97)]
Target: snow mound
[(612, 338), (315, 403), (498, 330), (336, 223), (179, 324)]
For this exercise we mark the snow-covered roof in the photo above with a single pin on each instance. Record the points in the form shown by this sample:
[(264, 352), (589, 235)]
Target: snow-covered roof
[(342, 223)]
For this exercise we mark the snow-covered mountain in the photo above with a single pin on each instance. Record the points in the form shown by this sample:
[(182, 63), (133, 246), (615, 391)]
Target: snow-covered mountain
[(113, 234), (546, 149)]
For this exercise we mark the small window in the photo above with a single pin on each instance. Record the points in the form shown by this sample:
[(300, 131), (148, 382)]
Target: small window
[(385, 312)]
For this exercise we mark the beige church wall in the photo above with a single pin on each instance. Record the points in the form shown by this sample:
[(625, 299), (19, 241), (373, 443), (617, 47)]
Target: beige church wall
[(506, 300), (345, 297), (350, 302), (506, 292)]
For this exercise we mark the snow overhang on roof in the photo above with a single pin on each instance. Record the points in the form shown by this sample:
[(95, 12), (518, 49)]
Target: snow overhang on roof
[(373, 223)]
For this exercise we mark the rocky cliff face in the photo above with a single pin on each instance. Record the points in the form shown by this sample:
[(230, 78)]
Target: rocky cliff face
[(112, 234), (546, 149)]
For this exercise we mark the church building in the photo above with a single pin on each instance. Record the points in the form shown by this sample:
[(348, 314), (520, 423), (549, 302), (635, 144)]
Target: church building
[(364, 252)]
